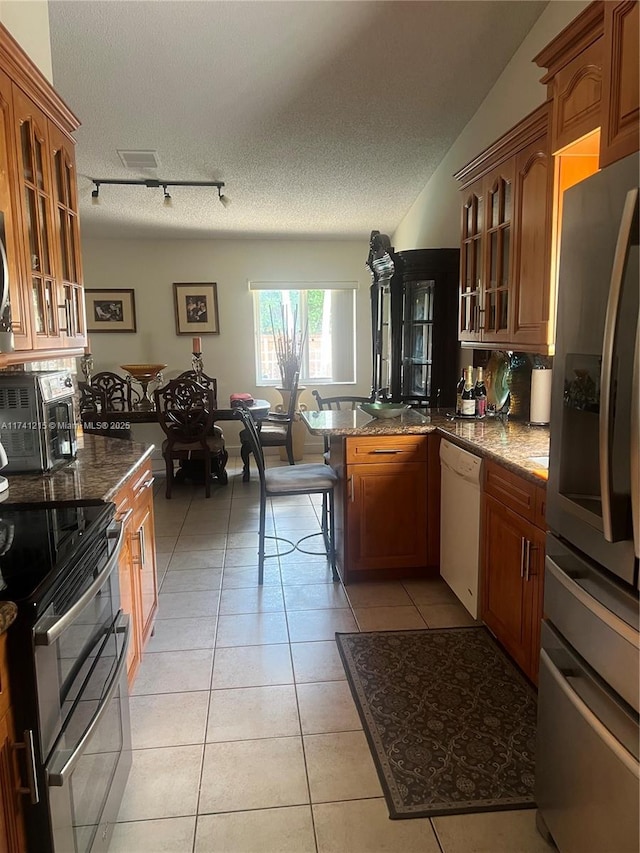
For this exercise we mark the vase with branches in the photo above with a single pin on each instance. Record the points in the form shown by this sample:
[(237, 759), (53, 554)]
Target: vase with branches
[(289, 342)]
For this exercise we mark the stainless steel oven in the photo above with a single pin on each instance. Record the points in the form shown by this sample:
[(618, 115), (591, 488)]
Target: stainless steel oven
[(37, 422), (68, 653)]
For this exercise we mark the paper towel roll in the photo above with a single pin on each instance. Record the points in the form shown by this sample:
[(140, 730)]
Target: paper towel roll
[(540, 396)]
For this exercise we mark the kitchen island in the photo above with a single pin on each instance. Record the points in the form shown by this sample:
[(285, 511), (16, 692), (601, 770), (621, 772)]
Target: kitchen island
[(388, 498), (521, 448)]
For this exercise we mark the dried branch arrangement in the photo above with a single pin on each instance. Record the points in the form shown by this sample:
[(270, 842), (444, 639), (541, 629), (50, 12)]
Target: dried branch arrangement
[(289, 343)]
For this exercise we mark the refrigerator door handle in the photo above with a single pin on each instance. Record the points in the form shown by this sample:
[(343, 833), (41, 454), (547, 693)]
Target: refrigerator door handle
[(635, 446), (606, 371)]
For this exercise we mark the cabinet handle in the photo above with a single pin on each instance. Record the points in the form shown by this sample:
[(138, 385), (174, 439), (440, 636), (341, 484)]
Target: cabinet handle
[(31, 787), (527, 560), (352, 496), (386, 452), (523, 548), (142, 548), (124, 518), (149, 482)]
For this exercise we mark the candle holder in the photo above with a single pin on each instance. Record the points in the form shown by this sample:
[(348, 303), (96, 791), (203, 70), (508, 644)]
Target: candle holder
[(197, 365), (86, 366)]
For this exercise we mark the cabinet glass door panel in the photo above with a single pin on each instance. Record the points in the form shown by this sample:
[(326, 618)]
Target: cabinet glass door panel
[(417, 338), (37, 295), (495, 314)]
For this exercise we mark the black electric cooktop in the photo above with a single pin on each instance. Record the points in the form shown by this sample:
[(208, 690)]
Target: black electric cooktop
[(41, 549)]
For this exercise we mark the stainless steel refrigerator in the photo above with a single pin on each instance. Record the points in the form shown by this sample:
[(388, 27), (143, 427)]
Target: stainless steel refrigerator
[(587, 770)]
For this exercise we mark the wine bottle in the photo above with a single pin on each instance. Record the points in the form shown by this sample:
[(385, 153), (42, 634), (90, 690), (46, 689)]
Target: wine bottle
[(480, 393), (468, 399), (459, 389)]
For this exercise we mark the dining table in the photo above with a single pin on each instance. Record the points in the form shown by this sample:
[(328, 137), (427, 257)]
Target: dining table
[(118, 424)]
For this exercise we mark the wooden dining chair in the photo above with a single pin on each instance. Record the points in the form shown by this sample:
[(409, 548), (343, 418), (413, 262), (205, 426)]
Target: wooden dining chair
[(118, 394), (202, 379), (186, 413)]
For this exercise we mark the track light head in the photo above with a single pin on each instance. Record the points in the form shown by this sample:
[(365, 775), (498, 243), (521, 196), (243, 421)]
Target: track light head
[(168, 202), (95, 194), (225, 201)]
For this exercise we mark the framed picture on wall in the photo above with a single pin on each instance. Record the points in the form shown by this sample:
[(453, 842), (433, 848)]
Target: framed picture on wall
[(196, 309), (110, 310)]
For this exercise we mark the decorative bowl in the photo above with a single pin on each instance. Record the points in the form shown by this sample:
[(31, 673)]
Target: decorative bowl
[(143, 371), (384, 410)]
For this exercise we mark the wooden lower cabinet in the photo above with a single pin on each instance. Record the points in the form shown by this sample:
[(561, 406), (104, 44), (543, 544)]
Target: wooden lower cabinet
[(12, 838), (137, 567), (383, 506), (512, 563)]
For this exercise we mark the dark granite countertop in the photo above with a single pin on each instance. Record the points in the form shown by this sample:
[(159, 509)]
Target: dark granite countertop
[(511, 443), (101, 467)]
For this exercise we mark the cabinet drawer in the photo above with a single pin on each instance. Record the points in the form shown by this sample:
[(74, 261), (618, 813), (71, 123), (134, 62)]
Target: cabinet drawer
[(141, 480), (393, 448), (511, 490)]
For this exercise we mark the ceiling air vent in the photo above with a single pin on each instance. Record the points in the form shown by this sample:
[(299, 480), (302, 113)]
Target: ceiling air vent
[(139, 159)]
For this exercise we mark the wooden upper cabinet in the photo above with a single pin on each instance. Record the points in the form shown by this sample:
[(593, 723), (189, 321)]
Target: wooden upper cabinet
[(10, 214), (574, 63), (471, 263), (506, 234), (36, 188), (621, 99), (531, 269), (67, 227), (39, 207)]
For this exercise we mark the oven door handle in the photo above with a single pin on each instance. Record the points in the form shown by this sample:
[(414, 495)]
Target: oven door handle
[(57, 778), (46, 630)]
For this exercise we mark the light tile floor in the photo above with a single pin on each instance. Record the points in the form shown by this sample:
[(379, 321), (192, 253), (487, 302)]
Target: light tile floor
[(245, 734)]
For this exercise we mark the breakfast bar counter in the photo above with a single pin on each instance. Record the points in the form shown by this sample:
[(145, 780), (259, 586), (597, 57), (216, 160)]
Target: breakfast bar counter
[(101, 467), (521, 448)]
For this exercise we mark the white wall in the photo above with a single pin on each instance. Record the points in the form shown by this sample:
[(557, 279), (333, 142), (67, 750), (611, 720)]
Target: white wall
[(434, 218), (151, 267), (28, 23)]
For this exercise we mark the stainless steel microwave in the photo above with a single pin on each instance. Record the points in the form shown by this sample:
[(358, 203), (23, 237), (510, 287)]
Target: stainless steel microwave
[(37, 427)]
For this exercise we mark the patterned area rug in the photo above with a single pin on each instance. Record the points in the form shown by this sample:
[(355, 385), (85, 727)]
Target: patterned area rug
[(450, 721)]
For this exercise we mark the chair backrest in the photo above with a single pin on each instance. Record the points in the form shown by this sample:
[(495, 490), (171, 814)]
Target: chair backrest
[(337, 403), (91, 399), (253, 437), (185, 410), (202, 379), (118, 394)]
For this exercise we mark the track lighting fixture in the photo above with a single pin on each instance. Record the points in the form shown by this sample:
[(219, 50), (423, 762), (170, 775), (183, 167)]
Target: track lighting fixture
[(151, 183)]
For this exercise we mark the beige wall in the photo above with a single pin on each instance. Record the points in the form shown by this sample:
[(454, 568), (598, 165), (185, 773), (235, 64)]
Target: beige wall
[(434, 218), (151, 267), (28, 23)]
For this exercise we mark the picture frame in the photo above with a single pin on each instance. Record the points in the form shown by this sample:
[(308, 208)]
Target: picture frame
[(111, 310), (196, 308)]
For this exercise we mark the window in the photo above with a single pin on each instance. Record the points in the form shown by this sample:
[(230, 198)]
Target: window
[(324, 311)]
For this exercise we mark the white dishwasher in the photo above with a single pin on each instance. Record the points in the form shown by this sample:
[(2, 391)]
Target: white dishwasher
[(460, 523)]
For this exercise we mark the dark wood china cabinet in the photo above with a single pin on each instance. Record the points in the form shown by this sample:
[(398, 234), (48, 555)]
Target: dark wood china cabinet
[(414, 306)]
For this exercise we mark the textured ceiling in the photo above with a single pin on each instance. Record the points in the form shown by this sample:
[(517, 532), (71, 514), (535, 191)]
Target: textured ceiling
[(324, 119)]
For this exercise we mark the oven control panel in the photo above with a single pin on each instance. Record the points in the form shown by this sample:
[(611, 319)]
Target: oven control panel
[(54, 386)]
